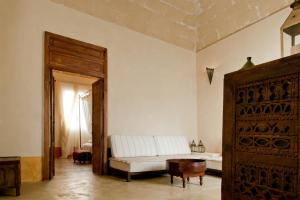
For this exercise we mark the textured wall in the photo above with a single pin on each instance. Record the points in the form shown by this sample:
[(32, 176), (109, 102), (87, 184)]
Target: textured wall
[(261, 41), (151, 84)]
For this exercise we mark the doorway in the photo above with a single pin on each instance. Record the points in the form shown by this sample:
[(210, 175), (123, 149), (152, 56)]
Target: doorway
[(73, 119), (72, 56)]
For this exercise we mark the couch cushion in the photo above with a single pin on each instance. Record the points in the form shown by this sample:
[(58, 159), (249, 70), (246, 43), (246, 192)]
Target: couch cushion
[(213, 160), (138, 164), (157, 163), (172, 145), (132, 146)]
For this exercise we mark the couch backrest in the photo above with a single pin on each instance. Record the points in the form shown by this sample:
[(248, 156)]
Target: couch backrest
[(172, 145), (132, 146)]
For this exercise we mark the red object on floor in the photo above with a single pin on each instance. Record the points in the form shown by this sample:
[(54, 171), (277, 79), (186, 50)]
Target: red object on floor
[(82, 156), (57, 152)]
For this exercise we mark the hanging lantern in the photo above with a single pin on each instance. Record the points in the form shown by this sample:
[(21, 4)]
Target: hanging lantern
[(290, 32)]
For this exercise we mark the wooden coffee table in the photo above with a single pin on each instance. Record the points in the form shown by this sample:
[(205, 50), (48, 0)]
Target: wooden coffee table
[(186, 168)]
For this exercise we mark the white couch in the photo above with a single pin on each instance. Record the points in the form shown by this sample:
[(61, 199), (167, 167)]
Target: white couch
[(136, 154)]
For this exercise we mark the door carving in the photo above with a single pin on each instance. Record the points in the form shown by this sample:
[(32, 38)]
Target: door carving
[(261, 132)]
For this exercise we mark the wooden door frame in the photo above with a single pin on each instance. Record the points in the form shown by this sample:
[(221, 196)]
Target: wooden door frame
[(81, 58)]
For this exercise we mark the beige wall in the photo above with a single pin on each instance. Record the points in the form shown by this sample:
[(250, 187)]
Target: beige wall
[(151, 84), (260, 41)]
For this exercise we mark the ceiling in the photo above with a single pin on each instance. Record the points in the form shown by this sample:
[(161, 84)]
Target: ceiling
[(191, 24)]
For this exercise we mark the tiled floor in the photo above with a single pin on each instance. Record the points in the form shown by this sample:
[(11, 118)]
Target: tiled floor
[(73, 181)]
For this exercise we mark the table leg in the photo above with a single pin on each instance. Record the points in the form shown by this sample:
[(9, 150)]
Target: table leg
[(201, 180), (188, 179), (128, 178), (183, 182), (171, 179)]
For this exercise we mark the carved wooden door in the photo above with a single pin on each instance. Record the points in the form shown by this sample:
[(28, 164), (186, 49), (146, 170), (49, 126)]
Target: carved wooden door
[(261, 132)]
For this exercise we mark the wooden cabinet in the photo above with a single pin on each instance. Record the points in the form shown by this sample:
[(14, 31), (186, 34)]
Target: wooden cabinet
[(261, 130), (10, 176)]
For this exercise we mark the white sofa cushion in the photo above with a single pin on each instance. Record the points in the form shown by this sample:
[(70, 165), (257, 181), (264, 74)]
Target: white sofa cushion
[(157, 163), (213, 164), (213, 160), (172, 145), (132, 146), (207, 156), (138, 164)]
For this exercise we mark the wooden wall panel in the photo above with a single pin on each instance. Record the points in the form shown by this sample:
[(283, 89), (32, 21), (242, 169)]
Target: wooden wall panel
[(70, 55)]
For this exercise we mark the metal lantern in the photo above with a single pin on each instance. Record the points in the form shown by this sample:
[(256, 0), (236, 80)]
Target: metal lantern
[(210, 73), (201, 147), (290, 32), (193, 146)]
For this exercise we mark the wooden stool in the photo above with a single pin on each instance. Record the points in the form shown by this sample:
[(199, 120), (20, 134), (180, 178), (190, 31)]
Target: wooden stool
[(82, 156)]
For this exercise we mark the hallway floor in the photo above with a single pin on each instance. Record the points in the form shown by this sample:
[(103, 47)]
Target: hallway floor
[(76, 182)]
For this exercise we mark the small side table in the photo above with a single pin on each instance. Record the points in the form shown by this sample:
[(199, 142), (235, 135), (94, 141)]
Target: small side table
[(10, 173), (186, 168)]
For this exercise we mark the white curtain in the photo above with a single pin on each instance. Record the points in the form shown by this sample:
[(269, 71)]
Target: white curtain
[(67, 101), (86, 117)]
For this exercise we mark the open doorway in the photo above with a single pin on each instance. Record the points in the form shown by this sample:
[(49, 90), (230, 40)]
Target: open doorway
[(73, 119), (66, 55)]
